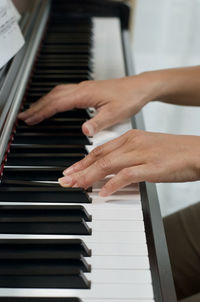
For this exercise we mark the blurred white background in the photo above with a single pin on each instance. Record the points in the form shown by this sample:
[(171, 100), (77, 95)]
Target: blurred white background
[(167, 34)]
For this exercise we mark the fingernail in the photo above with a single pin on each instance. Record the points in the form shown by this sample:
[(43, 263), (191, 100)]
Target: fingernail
[(65, 181), (89, 128), (68, 170), (103, 193)]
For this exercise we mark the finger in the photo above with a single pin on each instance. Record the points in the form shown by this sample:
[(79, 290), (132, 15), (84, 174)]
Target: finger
[(124, 178), (30, 111), (109, 164), (48, 105), (105, 118), (98, 153)]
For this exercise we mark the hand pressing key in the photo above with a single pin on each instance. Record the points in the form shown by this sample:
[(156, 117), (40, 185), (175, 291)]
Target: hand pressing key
[(137, 156), (114, 101)]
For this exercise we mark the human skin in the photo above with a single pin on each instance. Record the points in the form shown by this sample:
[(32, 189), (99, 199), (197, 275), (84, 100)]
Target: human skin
[(147, 156)]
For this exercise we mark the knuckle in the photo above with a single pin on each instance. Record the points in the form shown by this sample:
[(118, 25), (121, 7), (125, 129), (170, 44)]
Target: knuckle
[(135, 136), (58, 88), (85, 84), (80, 165), (97, 152), (110, 184), (127, 173), (61, 87), (104, 165), (86, 88), (81, 180)]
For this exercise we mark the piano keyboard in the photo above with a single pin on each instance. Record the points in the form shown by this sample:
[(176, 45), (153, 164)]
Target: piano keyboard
[(66, 244)]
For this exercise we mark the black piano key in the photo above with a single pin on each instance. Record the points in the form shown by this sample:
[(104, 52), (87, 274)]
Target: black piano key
[(50, 129), (37, 89), (51, 138), (38, 226), (57, 49), (39, 299), (32, 97), (58, 20), (54, 121), (63, 121), (29, 183), (60, 72), (78, 281), (40, 194), (71, 27), (63, 65), (75, 23), (43, 266), (46, 78), (70, 38), (63, 58), (42, 159), (70, 31), (62, 39), (31, 173), (44, 213), (67, 28), (43, 249), (34, 148), (55, 82)]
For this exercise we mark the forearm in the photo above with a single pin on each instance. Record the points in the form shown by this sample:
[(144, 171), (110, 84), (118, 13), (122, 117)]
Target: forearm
[(180, 86)]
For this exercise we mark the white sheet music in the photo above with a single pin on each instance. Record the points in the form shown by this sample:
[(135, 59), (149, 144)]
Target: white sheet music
[(11, 38)]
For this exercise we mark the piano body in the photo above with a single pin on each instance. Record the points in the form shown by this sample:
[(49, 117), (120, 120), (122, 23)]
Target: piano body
[(68, 245)]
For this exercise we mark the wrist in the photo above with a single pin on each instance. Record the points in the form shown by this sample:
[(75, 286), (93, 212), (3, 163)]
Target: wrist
[(158, 85)]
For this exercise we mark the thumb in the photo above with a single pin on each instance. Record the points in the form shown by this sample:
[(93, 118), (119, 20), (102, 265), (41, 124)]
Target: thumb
[(99, 122)]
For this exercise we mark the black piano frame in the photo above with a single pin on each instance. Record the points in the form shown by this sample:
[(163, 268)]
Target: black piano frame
[(163, 284)]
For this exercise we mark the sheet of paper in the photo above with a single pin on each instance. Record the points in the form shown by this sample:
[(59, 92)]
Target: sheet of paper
[(11, 38)]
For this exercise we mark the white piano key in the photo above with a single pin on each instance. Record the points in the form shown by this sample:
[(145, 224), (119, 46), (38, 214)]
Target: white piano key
[(120, 291), (102, 238), (135, 238), (121, 197), (116, 262), (115, 237), (120, 213), (130, 188), (119, 276), (97, 291), (116, 226), (117, 249), (107, 32)]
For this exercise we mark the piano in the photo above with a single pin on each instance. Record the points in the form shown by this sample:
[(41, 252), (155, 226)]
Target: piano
[(70, 245)]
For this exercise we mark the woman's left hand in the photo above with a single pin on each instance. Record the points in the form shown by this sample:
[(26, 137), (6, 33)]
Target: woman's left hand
[(137, 156)]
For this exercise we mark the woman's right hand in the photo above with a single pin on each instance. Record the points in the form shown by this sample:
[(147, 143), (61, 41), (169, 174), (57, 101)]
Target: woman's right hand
[(114, 100)]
